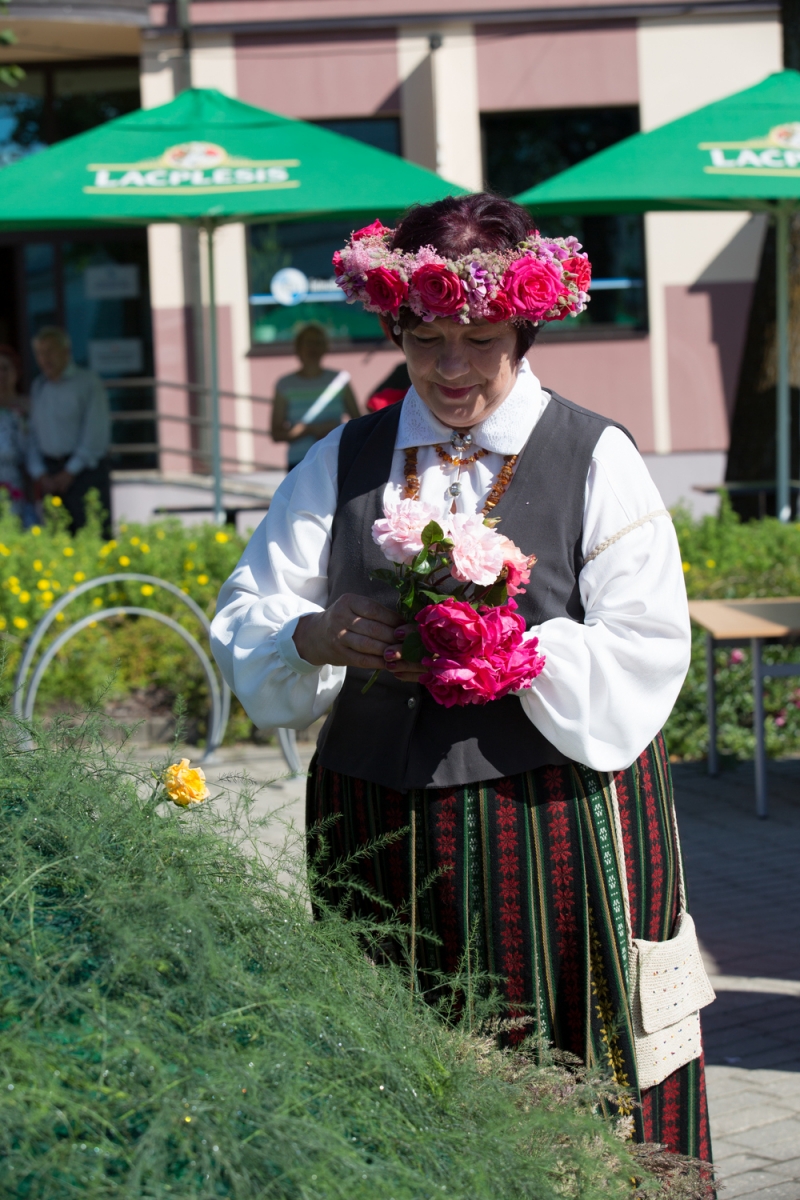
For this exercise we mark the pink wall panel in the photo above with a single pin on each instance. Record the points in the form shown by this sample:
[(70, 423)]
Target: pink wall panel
[(706, 326), (610, 377), (169, 345), (531, 67), (319, 76)]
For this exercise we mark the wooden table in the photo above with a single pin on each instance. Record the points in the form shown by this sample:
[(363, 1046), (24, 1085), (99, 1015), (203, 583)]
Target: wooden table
[(735, 623)]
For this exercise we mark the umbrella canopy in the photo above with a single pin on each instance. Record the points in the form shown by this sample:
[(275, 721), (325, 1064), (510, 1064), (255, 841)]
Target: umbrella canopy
[(742, 152), (206, 159)]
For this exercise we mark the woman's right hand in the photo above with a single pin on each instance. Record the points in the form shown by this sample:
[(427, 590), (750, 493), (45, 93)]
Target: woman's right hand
[(354, 632)]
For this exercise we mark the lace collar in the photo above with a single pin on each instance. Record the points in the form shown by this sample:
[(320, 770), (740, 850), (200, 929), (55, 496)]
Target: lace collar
[(504, 431)]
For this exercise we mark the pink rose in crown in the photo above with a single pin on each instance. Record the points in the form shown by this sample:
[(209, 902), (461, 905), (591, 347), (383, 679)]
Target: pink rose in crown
[(376, 229), (385, 289), (478, 552), (499, 308), (399, 531), (581, 268), (533, 286), (453, 628), (440, 292), (338, 265)]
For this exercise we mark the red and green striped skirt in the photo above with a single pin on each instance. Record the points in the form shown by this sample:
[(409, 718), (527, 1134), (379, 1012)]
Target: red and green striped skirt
[(512, 873)]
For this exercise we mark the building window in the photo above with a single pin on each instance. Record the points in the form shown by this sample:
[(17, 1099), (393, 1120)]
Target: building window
[(381, 132), (525, 148), (57, 101), (291, 277)]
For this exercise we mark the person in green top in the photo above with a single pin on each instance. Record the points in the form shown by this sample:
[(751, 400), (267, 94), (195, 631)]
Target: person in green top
[(296, 396)]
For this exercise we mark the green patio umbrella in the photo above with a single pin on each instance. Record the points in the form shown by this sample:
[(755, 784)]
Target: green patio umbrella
[(206, 159), (739, 153)]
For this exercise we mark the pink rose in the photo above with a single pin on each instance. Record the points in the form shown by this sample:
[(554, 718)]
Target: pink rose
[(376, 229), (338, 265), (504, 628), (452, 682), (518, 567), (499, 308), (454, 629), (478, 552), (399, 531), (516, 670), (438, 290), (581, 268), (533, 287), (385, 289)]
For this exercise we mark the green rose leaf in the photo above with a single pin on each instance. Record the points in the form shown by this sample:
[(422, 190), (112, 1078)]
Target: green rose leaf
[(413, 649)]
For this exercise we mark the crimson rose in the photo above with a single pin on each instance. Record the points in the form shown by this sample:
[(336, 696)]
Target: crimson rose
[(439, 291), (385, 289)]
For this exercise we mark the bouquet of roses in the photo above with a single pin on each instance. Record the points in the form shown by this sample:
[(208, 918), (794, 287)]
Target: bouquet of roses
[(469, 637)]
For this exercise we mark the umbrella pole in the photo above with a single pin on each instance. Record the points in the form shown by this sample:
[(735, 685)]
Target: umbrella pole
[(216, 450), (783, 423)]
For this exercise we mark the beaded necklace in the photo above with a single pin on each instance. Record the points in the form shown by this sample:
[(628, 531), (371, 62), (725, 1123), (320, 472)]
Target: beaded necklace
[(459, 441)]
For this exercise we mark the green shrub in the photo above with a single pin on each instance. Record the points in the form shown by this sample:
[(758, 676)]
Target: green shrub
[(172, 1023), (724, 558)]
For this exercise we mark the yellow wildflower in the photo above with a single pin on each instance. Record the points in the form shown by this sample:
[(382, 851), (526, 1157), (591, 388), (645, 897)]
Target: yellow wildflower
[(145, 549), (123, 528), (37, 564), (185, 785), (202, 579), (56, 501), (220, 536), (93, 624), (160, 534), (24, 597), (48, 597), (687, 567), (36, 530), (135, 541), (192, 546), (188, 565), (710, 563), (2, 622), (124, 561), (43, 584), (68, 551), (4, 550), (12, 580), (79, 576), (15, 588), (60, 616), (97, 602), (20, 623), (147, 589)]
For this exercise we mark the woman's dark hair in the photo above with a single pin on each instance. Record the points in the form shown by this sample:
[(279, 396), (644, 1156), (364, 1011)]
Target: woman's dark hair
[(456, 225)]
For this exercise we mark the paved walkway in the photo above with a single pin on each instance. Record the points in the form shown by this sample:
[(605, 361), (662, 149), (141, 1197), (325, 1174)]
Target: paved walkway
[(744, 892)]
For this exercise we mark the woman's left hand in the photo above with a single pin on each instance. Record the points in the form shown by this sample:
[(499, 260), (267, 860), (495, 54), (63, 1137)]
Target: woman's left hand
[(407, 672)]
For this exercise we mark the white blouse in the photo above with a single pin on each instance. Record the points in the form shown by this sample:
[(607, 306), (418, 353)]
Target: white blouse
[(608, 685)]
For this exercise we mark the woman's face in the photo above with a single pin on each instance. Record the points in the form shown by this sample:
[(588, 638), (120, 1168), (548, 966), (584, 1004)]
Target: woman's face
[(8, 380), (462, 372)]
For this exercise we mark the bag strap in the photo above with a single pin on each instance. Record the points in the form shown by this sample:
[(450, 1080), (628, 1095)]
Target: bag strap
[(612, 787)]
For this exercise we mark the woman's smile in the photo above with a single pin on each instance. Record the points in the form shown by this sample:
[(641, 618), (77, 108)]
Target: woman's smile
[(455, 393)]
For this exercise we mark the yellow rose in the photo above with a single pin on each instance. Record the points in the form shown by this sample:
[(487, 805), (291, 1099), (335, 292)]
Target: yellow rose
[(185, 785)]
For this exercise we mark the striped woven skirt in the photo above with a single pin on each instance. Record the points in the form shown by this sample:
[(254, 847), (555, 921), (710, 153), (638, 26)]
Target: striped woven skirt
[(510, 874)]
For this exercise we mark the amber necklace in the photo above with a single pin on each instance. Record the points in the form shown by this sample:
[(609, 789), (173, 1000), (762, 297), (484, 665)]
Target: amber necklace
[(459, 442)]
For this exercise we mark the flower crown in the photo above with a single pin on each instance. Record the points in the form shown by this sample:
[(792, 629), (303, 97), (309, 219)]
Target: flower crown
[(543, 279)]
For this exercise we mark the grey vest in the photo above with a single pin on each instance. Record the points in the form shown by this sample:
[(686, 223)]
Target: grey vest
[(397, 735)]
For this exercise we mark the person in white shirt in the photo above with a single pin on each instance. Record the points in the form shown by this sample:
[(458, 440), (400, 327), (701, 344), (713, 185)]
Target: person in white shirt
[(510, 808), (70, 428)]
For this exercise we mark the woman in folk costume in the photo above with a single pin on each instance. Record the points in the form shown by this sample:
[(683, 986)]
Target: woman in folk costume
[(545, 816)]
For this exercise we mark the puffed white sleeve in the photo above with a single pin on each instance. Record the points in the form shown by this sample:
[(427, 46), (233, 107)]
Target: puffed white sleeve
[(609, 685), (281, 576)]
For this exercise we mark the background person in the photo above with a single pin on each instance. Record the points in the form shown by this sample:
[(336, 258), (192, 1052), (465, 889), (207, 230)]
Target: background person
[(70, 428), (13, 439), (510, 807), (295, 394)]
